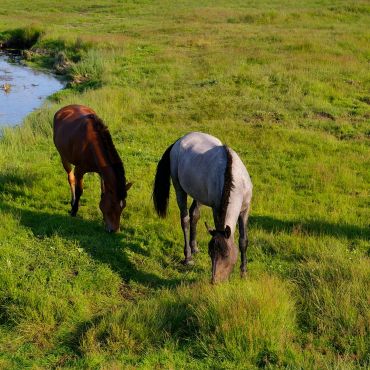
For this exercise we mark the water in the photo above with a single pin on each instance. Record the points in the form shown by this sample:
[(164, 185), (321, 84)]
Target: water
[(22, 90)]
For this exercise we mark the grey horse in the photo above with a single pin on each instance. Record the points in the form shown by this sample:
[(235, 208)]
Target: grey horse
[(213, 175)]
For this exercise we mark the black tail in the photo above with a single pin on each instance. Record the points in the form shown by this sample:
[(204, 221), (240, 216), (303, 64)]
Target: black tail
[(162, 183)]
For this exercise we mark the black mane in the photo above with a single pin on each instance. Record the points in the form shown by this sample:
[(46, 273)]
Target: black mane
[(228, 186), (111, 154)]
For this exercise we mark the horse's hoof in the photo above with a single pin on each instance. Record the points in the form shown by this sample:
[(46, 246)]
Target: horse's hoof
[(194, 250), (243, 274), (187, 262), (73, 213)]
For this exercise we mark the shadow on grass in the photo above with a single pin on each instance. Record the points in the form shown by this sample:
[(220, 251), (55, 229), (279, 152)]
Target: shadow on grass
[(11, 183), (114, 249), (311, 227), (111, 249)]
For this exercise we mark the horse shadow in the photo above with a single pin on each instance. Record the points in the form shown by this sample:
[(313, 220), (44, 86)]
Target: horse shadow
[(111, 249), (115, 249), (107, 248), (12, 183)]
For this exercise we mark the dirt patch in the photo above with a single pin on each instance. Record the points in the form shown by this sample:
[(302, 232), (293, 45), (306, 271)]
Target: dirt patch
[(324, 115)]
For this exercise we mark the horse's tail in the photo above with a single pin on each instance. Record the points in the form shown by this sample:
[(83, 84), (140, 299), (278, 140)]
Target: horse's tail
[(162, 183)]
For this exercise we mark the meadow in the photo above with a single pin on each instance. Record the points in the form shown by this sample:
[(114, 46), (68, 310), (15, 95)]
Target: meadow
[(284, 83)]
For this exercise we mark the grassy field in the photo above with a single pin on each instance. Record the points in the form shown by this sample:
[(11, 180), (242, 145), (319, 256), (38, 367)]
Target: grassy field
[(286, 84)]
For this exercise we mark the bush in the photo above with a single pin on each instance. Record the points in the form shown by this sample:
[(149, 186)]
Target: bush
[(21, 38), (88, 73)]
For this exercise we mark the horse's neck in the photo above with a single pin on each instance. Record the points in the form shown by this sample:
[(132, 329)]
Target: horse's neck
[(97, 149), (102, 162), (232, 211), (109, 177)]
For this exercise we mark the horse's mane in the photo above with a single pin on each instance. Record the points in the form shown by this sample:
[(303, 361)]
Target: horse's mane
[(228, 186), (111, 154)]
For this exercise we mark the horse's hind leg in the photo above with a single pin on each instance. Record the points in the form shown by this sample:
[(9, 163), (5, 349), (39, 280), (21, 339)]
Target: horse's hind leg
[(181, 198), (194, 217), (78, 189), (243, 240), (71, 179)]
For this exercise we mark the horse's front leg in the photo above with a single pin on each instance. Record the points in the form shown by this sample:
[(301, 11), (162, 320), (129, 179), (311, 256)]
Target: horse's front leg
[(71, 180), (243, 240), (102, 186), (194, 217), (78, 190)]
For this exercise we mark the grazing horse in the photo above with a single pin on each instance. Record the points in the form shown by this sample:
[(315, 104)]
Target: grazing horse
[(83, 140), (213, 175)]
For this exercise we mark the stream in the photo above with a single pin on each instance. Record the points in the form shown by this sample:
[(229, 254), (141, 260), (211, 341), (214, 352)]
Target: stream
[(22, 89)]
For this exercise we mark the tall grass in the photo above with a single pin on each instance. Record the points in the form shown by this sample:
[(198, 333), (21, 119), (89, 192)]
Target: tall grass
[(248, 323), (88, 73)]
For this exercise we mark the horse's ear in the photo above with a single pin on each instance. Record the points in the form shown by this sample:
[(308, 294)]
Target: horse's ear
[(212, 232), (128, 185), (227, 232)]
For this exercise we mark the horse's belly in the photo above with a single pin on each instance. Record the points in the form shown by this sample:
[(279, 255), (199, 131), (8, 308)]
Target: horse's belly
[(199, 195)]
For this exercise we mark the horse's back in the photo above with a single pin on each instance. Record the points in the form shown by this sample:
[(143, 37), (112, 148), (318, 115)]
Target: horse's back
[(71, 113), (198, 163)]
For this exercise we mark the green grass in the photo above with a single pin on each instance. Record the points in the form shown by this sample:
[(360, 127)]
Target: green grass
[(286, 84)]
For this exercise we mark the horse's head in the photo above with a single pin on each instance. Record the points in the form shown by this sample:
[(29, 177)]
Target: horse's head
[(112, 207), (223, 253)]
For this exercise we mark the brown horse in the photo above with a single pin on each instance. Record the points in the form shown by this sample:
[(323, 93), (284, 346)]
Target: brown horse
[(83, 140)]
